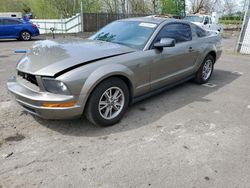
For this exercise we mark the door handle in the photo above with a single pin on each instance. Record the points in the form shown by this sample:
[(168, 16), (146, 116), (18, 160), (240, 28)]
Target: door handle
[(190, 49)]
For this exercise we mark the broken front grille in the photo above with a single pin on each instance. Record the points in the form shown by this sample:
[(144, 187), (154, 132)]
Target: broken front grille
[(29, 77), (28, 80)]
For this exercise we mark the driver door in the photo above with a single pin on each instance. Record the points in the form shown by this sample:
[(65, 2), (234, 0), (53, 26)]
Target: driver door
[(172, 64)]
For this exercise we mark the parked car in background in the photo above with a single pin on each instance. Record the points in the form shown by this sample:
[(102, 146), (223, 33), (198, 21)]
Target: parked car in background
[(122, 63), (204, 21), (18, 29)]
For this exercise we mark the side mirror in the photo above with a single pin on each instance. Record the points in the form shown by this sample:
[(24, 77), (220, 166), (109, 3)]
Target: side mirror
[(206, 22), (165, 42)]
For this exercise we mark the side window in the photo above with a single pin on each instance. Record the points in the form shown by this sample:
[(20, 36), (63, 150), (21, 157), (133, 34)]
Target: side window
[(10, 22), (1, 22), (206, 20), (178, 31), (200, 32)]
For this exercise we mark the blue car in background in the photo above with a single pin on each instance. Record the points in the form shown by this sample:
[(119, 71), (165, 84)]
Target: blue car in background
[(18, 29)]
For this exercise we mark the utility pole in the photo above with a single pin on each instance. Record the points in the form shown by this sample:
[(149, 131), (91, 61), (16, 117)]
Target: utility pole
[(123, 4), (82, 17), (184, 8), (128, 7)]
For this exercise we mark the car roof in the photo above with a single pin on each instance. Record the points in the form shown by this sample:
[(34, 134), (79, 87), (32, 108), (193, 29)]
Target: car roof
[(197, 15), (157, 20), (152, 19)]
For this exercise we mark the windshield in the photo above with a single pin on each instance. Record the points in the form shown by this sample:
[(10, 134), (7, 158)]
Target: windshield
[(194, 18), (133, 34)]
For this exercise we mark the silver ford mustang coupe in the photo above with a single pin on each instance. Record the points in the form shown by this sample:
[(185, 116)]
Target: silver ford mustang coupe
[(122, 63)]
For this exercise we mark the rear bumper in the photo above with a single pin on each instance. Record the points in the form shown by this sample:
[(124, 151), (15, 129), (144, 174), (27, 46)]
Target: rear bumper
[(35, 33), (32, 101)]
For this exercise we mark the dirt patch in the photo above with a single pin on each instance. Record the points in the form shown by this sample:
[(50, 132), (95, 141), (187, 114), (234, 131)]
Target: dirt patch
[(185, 147), (207, 178), (103, 138), (142, 108), (16, 138)]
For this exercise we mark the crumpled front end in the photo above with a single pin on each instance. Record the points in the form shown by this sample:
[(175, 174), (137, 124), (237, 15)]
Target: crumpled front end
[(30, 93)]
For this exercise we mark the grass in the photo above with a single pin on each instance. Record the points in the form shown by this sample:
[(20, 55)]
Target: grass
[(228, 22)]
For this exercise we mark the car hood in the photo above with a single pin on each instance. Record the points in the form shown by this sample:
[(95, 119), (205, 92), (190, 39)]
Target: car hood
[(49, 57), (198, 23)]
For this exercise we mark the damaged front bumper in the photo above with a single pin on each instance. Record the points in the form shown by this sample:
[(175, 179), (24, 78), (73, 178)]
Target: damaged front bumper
[(34, 102)]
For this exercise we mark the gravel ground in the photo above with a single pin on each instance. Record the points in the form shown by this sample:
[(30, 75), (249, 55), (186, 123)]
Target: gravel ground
[(190, 136)]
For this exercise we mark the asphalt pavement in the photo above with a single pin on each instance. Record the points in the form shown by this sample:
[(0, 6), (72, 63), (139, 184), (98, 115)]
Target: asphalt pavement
[(192, 136)]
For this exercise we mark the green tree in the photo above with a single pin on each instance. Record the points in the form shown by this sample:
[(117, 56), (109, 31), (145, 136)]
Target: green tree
[(50, 8), (176, 7), (26, 8), (11, 6)]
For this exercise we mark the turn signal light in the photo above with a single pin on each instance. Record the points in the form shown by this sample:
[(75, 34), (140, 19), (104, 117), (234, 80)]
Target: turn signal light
[(56, 105)]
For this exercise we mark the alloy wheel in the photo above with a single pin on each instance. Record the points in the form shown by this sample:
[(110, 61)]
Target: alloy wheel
[(111, 103), (25, 35), (207, 69)]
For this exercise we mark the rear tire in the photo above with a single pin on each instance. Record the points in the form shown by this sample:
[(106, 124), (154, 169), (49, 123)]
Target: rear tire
[(108, 102), (25, 36), (205, 71)]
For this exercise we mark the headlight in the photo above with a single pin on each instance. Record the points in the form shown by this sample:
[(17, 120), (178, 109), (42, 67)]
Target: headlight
[(55, 86)]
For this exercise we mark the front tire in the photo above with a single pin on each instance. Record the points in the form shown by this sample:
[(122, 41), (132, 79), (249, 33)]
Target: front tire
[(205, 71), (25, 36), (108, 102)]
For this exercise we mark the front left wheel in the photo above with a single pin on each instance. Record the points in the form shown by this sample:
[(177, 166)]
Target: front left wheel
[(108, 102)]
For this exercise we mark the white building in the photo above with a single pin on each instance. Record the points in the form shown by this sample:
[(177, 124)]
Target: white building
[(244, 39), (11, 14)]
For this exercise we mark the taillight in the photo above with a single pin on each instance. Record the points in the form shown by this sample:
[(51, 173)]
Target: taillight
[(34, 25)]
